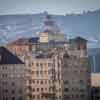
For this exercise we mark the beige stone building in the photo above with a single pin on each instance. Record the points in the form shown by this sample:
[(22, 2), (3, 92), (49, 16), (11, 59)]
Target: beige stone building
[(59, 73)]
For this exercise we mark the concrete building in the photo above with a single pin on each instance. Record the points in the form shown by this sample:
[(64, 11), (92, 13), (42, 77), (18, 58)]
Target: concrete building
[(95, 86)]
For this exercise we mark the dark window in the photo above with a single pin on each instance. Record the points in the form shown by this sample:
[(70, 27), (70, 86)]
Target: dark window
[(37, 72), (41, 64), (41, 82), (30, 81), (13, 91), (13, 98), (4, 98), (37, 81), (6, 90), (33, 96), (33, 89), (20, 98), (81, 82), (37, 64), (66, 89), (33, 81), (13, 84), (41, 89), (45, 81), (37, 89), (66, 82)]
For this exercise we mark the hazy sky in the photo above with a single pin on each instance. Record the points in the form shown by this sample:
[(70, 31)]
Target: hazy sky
[(52, 6)]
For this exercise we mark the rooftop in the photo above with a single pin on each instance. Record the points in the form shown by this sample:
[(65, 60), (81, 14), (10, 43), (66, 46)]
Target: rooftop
[(6, 57)]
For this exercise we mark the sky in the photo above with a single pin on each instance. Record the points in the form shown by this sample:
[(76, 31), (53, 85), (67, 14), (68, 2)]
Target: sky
[(52, 6)]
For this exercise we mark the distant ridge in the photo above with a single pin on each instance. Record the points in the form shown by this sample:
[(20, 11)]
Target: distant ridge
[(86, 25)]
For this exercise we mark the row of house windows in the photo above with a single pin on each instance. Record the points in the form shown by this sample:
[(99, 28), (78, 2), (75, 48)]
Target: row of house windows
[(81, 82), (3, 75), (4, 83), (75, 89), (9, 75), (40, 64), (40, 72), (3, 91), (38, 89), (40, 81), (3, 67), (12, 98), (38, 96)]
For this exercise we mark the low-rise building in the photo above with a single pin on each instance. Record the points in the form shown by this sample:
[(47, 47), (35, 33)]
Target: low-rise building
[(95, 86)]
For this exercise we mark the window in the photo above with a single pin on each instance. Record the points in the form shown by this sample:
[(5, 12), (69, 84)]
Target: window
[(41, 89), (4, 98), (33, 96), (13, 98), (41, 64), (41, 82), (30, 81), (29, 88), (4, 75), (33, 89), (66, 90), (66, 82), (81, 82), (45, 81), (13, 83), (6, 90), (37, 64), (37, 89), (37, 81), (13, 91), (49, 64), (46, 89), (37, 72), (4, 67), (41, 72), (20, 98), (33, 81)]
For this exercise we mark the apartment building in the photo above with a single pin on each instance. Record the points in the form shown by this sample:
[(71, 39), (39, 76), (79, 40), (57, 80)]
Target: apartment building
[(12, 80), (60, 72)]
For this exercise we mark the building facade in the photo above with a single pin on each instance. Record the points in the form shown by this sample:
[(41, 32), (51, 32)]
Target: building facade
[(60, 72), (12, 81)]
